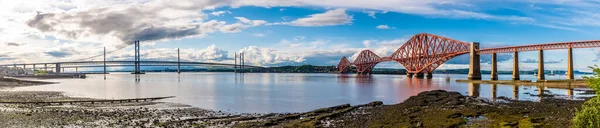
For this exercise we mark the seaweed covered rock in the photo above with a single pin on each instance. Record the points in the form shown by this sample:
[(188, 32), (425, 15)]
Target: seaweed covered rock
[(436, 97)]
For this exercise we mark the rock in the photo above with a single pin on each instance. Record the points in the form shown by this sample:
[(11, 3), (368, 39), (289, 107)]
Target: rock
[(436, 97)]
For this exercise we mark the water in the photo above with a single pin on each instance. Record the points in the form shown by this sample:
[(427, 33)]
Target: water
[(278, 92)]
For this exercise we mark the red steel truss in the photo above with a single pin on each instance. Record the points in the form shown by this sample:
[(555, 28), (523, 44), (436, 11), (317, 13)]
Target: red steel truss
[(424, 52), (344, 65), (535, 47), (421, 54), (366, 61)]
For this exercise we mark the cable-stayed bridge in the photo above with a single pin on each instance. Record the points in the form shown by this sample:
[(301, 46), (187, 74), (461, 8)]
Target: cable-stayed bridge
[(99, 61)]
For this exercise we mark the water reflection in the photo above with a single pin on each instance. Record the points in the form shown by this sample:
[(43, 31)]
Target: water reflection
[(570, 92), (364, 79), (279, 92), (515, 92), (474, 89), (540, 92), (494, 88)]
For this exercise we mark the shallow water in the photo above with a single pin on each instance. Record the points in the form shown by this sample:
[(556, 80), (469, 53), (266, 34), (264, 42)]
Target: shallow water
[(280, 92)]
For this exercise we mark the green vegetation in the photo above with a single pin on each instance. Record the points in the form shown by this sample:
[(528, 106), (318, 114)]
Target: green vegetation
[(589, 115)]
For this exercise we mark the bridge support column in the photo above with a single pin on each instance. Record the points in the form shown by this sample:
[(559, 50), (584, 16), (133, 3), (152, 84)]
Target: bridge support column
[(541, 76), (57, 68), (494, 72), (419, 75), (178, 63), (409, 75), (46, 68), (570, 75), (429, 75), (474, 65), (516, 66)]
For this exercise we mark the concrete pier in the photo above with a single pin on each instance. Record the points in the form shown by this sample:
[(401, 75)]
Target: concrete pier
[(570, 75), (541, 76), (57, 68), (419, 75), (429, 75), (409, 75), (474, 65), (516, 66), (494, 72)]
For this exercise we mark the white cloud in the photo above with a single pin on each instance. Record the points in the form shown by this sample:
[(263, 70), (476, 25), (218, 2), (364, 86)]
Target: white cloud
[(384, 26), (373, 13), (219, 13), (211, 53), (251, 22), (266, 56), (328, 18), (233, 28)]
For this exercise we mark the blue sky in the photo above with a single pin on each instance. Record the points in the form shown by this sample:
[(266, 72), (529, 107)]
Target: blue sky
[(290, 32)]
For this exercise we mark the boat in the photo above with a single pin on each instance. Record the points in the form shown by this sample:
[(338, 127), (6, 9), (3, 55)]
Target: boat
[(534, 74), (551, 73)]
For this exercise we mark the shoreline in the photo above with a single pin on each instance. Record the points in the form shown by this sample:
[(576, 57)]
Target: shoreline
[(422, 110)]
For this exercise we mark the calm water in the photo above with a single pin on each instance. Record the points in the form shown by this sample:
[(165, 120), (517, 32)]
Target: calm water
[(272, 92)]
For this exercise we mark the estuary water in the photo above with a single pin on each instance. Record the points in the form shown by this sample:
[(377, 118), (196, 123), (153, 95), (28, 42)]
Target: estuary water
[(284, 92)]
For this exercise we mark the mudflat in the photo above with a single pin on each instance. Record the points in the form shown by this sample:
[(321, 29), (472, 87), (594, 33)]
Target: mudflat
[(436, 108)]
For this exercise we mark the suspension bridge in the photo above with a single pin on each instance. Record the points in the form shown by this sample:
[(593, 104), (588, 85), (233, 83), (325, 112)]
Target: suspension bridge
[(137, 63), (424, 52)]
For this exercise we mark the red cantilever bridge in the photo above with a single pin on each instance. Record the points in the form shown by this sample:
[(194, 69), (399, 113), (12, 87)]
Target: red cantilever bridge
[(424, 52)]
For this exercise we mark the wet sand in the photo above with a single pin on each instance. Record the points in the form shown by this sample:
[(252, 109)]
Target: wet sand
[(428, 109)]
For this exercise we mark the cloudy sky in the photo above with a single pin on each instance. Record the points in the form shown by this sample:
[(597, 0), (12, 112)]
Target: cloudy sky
[(288, 32)]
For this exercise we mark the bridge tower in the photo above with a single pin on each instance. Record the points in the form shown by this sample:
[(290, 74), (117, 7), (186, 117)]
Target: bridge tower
[(57, 68), (178, 63), (137, 58)]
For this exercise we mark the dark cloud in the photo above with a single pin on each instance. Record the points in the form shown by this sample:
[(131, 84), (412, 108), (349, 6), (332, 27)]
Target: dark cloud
[(58, 53), (144, 23), (4, 57), (39, 23), (63, 52), (157, 33), (13, 44), (545, 61)]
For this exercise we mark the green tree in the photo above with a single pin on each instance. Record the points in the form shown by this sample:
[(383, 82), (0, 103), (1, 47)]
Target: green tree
[(589, 115)]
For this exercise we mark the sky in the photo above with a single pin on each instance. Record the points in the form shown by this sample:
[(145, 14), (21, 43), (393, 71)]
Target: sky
[(290, 32)]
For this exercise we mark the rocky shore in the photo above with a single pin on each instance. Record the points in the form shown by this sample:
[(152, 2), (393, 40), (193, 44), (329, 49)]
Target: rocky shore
[(428, 109)]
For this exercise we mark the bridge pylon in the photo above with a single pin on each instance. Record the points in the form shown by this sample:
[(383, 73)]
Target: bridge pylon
[(137, 59), (474, 65)]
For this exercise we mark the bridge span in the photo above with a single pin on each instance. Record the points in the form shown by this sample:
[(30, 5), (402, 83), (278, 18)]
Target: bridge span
[(424, 52), (58, 67)]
